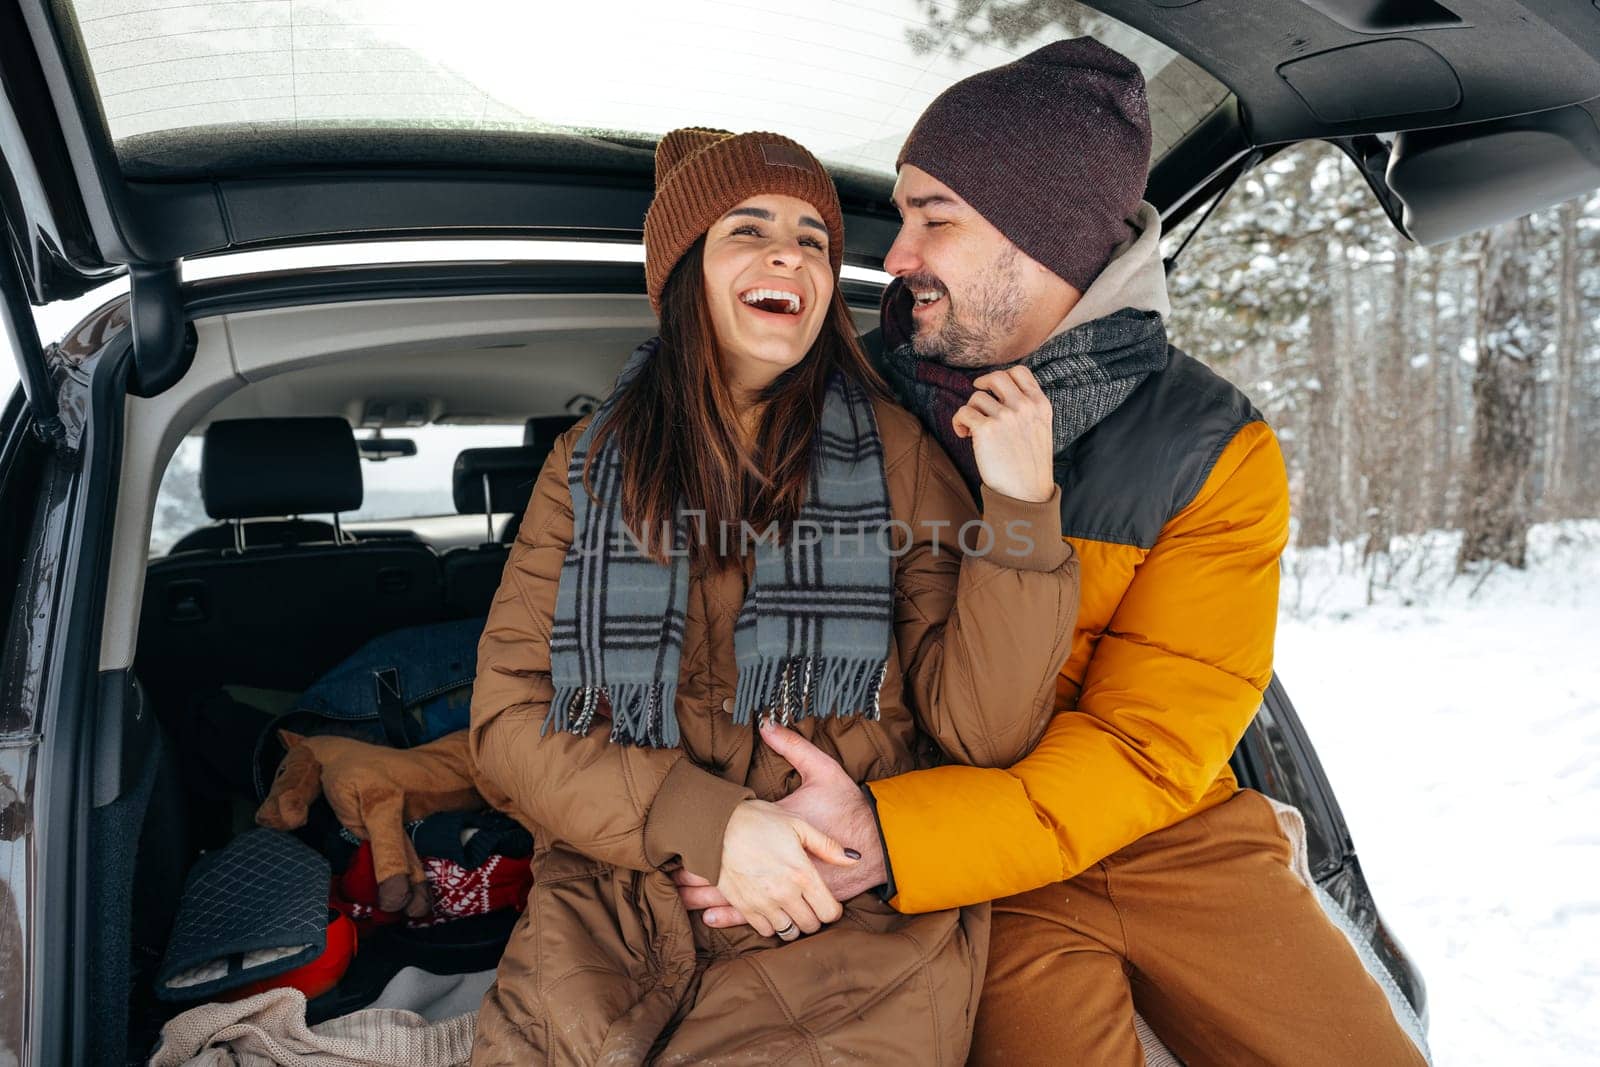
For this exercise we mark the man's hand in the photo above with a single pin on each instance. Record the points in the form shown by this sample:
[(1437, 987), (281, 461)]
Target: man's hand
[(828, 799), (1008, 418)]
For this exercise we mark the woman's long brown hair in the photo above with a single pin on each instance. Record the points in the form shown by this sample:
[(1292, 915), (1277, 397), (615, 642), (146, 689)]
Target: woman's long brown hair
[(675, 425)]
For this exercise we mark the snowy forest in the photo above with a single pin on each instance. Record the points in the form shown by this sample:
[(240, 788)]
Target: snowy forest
[(1413, 388)]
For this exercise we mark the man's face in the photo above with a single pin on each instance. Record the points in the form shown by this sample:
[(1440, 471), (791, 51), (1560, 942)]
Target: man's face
[(977, 299)]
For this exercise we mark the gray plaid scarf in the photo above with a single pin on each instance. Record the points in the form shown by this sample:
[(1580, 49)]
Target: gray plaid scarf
[(812, 637), (1085, 371)]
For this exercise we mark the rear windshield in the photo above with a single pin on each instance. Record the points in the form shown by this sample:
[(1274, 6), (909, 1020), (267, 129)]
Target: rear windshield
[(845, 79), (406, 487)]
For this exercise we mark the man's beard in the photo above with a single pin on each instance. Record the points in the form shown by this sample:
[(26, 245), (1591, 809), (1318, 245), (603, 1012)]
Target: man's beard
[(973, 331)]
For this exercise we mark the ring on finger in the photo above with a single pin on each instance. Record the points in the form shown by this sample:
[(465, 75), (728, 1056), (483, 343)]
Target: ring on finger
[(790, 932)]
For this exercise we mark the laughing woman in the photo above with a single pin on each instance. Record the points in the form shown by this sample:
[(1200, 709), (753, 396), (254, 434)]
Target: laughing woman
[(648, 624)]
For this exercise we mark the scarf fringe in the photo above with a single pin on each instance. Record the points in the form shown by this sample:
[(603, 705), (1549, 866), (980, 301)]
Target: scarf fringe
[(642, 713), (808, 687)]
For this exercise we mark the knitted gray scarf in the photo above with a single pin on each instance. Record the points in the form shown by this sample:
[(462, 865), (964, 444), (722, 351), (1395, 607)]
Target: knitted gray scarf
[(812, 638), (1086, 372)]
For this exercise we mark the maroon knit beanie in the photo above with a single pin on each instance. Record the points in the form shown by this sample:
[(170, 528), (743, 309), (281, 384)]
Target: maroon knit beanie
[(1053, 149)]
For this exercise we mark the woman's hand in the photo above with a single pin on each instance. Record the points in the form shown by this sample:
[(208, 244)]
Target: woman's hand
[(767, 873), (1009, 421)]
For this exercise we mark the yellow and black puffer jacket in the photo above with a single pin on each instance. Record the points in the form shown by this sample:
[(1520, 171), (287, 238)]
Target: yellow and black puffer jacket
[(1177, 504)]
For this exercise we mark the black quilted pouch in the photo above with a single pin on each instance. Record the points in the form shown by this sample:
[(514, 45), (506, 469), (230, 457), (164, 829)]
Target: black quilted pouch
[(251, 910)]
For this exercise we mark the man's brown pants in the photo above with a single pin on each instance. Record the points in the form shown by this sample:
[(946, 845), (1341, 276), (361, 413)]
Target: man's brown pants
[(1206, 930)]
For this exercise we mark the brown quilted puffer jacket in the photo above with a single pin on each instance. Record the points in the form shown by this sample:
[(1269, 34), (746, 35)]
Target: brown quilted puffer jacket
[(605, 965)]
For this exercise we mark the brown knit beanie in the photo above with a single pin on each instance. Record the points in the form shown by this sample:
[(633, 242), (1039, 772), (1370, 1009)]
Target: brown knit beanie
[(700, 174), (1053, 149)]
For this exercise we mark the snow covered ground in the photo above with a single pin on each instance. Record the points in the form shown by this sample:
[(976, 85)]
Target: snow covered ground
[(1459, 722)]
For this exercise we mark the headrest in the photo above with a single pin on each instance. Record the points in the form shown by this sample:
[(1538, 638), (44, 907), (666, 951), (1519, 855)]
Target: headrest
[(541, 432), (268, 467), (511, 470)]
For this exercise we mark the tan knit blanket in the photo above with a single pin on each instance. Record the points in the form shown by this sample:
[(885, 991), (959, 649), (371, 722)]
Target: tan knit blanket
[(270, 1029)]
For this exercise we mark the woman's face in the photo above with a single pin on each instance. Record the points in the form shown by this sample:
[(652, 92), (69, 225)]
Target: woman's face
[(769, 285)]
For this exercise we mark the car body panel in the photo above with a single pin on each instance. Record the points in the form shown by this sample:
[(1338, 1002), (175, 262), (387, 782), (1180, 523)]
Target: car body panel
[(20, 462), (1275, 757), (38, 738)]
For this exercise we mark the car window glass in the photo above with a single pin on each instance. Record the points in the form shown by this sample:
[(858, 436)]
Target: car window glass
[(392, 489), (847, 80)]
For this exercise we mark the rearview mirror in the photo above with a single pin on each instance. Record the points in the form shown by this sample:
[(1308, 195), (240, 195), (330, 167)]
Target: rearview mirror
[(379, 449)]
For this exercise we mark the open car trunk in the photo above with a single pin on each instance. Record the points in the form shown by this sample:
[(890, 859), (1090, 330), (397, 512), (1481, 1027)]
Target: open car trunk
[(229, 641), (202, 802), (1460, 113)]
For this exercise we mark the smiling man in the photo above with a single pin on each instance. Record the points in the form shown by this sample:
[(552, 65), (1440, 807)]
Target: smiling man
[(1128, 869)]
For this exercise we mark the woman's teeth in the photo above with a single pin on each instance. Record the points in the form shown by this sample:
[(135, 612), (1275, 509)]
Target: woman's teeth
[(773, 300)]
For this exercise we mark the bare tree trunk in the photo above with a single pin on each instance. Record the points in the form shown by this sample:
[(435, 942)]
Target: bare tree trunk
[(1405, 444), (1382, 454), (1349, 404), (1496, 527), (1585, 459), (1455, 477), (1568, 332), (1441, 364), (1319, 502)]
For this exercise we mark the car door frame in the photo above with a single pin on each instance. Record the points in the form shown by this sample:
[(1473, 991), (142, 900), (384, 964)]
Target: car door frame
[(66, 481), (21, 464)]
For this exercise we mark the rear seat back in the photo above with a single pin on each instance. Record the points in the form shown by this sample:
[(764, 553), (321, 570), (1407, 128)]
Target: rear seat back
[(264, 533), (263, 469), (486, 480), (539, 433), (259, 533), (278, 616)]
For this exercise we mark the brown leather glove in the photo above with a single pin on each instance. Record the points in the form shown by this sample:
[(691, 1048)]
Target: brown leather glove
[(375, 790)]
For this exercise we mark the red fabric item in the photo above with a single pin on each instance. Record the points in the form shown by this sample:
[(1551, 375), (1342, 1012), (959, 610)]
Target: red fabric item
[(501, 882), (355, 892), (457, 891), (317, 976)]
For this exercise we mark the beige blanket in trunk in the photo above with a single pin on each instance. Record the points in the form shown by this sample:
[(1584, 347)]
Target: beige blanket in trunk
[(270, 1028)]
